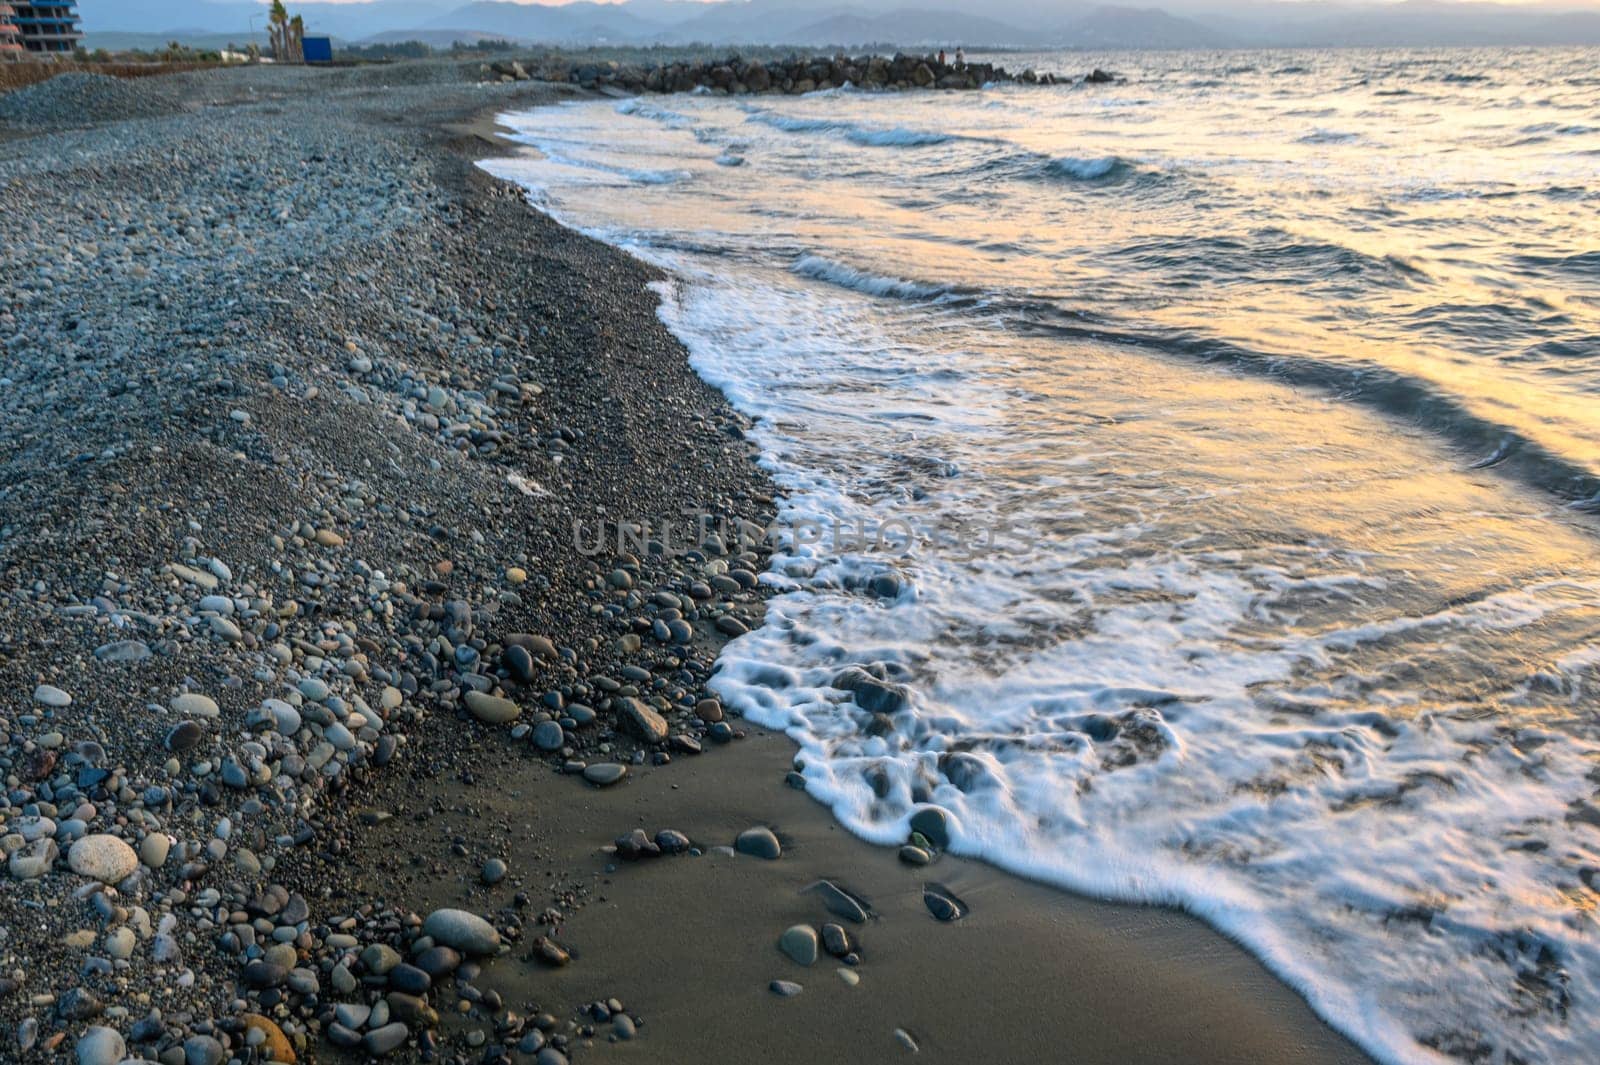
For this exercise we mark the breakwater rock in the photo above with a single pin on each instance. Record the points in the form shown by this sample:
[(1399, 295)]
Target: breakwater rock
[(793, 75)]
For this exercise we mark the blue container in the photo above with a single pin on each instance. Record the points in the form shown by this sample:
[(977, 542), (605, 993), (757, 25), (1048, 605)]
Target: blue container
[(317, 49)]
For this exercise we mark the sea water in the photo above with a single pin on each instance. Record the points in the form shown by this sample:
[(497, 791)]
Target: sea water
[(1204, 466)]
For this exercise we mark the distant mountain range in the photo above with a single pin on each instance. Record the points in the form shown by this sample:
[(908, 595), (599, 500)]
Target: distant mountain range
[(1033, 24)]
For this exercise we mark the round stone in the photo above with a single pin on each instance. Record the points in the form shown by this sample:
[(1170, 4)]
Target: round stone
[(438, 961), (410, 979), (604, 774), (52, 696), (518, 661), (491, 709), (102, 857), (193, 704), (263, 974), (549, 736), (217, 604), (466, 932), (933, 824), (100, 1045), (760, 842), (226, 629), (385, 1040), (153, 849), (799, 942), (285, 718), (203, 1050), (120, 943), (494, 871), (183, 737)]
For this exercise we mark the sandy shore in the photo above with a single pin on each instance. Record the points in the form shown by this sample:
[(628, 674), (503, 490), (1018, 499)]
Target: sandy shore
[(689, 944), (323, 452)]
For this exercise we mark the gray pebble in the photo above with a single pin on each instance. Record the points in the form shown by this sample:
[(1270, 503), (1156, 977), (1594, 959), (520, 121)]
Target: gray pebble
[(604, 774), (799, 942), (760, 842)]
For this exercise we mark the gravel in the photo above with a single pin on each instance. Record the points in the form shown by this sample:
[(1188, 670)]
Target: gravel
[(296, 410), (88, 98)]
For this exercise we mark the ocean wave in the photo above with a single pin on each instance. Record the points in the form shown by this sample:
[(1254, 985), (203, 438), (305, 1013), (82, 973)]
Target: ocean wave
[(1405, 398), (796, 124), (1584, 264), (557, 153), (1087, 170), (1265, 256), (869, 136), (819, 269), (1327, 136), (1100, 168), (639, 108), (897, 138)]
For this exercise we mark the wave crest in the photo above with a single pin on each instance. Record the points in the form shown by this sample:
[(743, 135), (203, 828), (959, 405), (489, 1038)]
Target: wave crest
[(1101, 168), (898, 137), (820, 269)]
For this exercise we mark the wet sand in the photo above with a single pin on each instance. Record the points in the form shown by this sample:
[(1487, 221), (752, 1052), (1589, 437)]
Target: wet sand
[(689, 944)]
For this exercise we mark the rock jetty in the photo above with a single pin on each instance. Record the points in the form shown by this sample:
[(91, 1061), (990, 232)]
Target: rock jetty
[(792, 76)]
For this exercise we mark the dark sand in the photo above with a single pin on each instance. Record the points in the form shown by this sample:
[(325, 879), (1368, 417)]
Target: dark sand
[(689, 943)]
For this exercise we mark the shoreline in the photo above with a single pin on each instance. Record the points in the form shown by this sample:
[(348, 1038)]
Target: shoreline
[(687, 944)]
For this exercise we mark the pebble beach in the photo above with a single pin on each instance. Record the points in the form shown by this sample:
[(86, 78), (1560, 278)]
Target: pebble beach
[(323, 736)]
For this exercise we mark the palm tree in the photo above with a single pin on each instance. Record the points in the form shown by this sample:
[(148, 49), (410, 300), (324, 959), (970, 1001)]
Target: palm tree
[(278, 31)]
